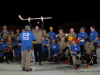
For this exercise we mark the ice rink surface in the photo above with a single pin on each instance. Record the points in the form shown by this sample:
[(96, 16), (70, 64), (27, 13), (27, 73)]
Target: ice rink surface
[(50, 68)]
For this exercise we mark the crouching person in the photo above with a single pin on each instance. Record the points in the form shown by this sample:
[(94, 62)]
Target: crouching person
[(62, 50), (3, 47), (76, 53), (89, 51), (53, 50)]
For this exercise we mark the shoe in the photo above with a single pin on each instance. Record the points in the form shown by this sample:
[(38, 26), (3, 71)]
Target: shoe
[(7, 62), (27, 70), (75, 68), (23, 69)]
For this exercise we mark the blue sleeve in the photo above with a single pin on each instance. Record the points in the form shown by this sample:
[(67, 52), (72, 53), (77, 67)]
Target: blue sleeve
[(8, 32), (15, 44), (33, 37), (2, 32), (96, 34), (46, 42), (20, 37), (71, 47), (79, 35), (78, 48)]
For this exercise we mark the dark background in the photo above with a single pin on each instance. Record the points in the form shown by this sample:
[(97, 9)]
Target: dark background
[(60, 19)]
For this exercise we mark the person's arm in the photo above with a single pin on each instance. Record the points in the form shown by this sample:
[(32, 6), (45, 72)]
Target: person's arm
[(96, 38), (30, 23), (42, 24)]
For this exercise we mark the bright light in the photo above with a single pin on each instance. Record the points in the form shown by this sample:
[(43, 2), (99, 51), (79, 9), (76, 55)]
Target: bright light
[(66, 34), (38, 22)]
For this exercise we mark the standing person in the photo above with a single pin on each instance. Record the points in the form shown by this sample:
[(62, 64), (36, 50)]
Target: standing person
[(5, 35), (51, 34), (26, 45), (81, 36), (72, 33), (94, 39), (5, 28), (38, 35), (12, 35), (18, 33)]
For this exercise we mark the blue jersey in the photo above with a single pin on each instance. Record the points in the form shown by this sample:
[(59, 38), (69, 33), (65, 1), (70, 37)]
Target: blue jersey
[(75, 49), (18, 49), (82, 36), (26, 40), (3, 32), (93, 35), (3, 46), (51, 34), (53, 49), (42, 44)]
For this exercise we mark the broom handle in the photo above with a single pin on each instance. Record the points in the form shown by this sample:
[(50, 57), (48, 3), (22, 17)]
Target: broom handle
[(91, 61)]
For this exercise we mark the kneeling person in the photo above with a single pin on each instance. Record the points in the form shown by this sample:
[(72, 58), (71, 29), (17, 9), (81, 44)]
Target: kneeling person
[(76, 53)]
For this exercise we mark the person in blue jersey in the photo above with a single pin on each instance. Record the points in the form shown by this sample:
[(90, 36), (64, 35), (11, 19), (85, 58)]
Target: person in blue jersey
[(26, 39), (81, 37), (17, 49), (4, 28), (44, 45), (51, 34), (3, 47), (76, 53), (94, 39), (54, 48)]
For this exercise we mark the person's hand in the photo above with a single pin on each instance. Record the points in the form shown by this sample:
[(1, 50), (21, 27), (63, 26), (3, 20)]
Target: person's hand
[(42, 18), (29, 19), (19, 44), (44, 44), (55, 54), (91, 42), (10, 46), (67, 51), (75, 52), (51, 37), (60, 51)]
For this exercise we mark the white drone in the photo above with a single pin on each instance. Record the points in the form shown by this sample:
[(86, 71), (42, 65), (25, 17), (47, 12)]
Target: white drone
[(33, 18)]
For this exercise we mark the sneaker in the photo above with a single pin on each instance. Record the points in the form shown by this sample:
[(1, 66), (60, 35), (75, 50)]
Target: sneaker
[(75, 68)]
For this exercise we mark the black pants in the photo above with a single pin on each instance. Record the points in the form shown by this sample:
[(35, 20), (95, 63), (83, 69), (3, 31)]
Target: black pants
[(1, 59), (71, 61), (82, 48), (37, 48), (45, 55), (95, 45), (8, 56)]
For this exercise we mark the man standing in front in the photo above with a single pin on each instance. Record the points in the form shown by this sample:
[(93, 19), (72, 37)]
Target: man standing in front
[(26, 45)]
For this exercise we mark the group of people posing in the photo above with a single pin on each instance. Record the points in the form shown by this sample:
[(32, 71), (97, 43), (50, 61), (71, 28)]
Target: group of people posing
[(74, 48)]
